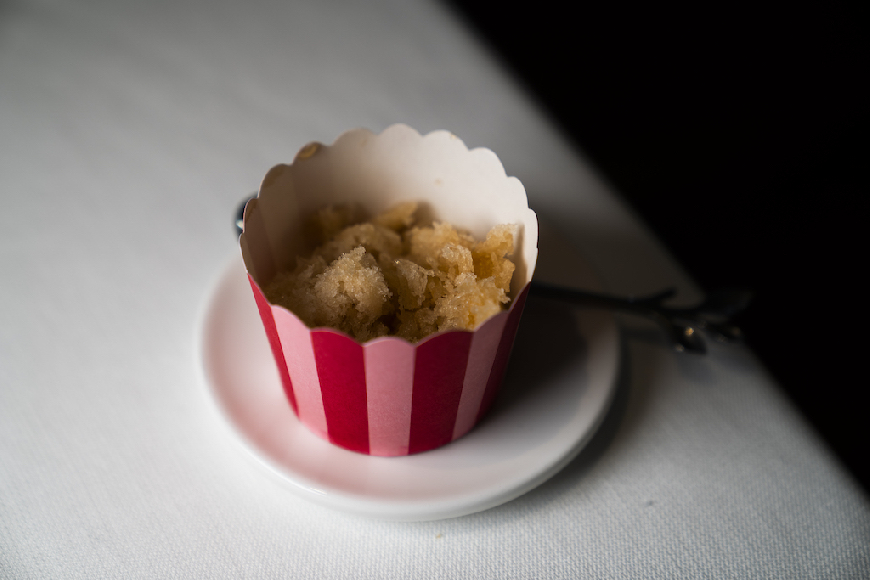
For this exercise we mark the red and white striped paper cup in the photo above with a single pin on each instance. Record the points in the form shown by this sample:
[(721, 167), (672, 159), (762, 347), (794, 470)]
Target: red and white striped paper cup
[(388, 396)]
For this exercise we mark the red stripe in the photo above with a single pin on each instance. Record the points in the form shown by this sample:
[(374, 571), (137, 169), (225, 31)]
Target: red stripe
[(274, 341), (504, 352), (438, 375), (341, 371)]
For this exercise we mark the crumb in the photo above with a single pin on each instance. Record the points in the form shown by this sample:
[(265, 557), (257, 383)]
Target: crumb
[(392, 276)]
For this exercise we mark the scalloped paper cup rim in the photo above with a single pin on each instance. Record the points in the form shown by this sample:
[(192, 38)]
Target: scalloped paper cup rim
[(388, 396)]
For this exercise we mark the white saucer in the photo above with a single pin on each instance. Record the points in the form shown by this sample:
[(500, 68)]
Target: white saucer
[(542, 418)]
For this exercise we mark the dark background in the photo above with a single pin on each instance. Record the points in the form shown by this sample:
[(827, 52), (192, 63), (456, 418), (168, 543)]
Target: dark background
[(739, 133)]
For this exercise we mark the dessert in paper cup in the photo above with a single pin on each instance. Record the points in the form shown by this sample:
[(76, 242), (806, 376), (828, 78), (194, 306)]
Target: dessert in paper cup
[(363, 369)]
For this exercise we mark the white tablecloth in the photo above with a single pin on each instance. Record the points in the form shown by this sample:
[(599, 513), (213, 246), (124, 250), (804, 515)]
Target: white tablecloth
[(128, 133)]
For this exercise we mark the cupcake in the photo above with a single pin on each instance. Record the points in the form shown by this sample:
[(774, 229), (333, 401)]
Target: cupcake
[(395, 387)]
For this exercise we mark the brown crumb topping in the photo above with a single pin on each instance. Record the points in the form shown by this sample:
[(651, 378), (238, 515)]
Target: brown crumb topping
[(392, 276)]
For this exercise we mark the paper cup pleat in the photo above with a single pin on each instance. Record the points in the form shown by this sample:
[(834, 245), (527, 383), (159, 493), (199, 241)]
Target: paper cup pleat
[(439, 374), (389, 388), (265, 310), (302, 367), (342, 375), (484, 348), (506, 343)]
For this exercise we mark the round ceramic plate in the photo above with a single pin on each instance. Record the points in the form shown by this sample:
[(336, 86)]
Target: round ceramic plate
[(557, 388)]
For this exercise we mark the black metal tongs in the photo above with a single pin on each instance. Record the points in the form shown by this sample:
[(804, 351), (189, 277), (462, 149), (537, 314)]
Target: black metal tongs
[(687, 327)]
